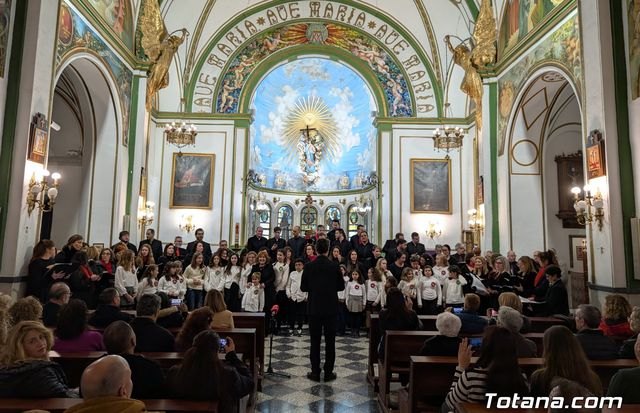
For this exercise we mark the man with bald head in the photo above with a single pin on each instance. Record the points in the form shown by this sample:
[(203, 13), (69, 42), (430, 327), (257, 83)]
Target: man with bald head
[(106, 387), (59, 294)]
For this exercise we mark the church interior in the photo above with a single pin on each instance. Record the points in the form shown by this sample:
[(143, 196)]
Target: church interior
[(155, 159)]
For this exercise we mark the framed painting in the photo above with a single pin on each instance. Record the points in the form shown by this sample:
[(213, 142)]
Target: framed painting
[(192, 180), (430, 186), (38, 138), (577, 251), (595, 156)]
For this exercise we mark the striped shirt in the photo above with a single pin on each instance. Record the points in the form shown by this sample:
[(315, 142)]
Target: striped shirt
[(468, 386)]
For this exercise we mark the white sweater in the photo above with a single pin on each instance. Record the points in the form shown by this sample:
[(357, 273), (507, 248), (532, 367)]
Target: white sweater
[(124, 279), (173, 288), (233, 276), (441, 273), (293, 287), (453, 290), (373, 289), (429, 289), (282, 275), (194, 277), (214, 279), (145, 287), (355, 291), (409, 288), (253, 299)]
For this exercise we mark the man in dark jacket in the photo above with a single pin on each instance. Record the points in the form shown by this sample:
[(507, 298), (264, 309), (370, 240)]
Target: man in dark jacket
[(156, 245), (146, 375), (59, 295), (415, 246), (191, 247), (256, 242), (595, 344), (391, 244), (472, 322), (276, 243), (123, 237), (365, 252), (150, 336), (297, 243), (108, 309), (322, 280)]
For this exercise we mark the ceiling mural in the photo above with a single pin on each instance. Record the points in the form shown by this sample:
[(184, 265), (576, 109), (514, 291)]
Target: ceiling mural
[(387, 72), (118, 14), (313, 129), (520, 18), (561, 48)]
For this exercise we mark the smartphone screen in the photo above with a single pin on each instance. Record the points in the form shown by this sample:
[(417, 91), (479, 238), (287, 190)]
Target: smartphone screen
[(457, 310), (222, 343), (176, 301), (494, 313), (475, 342)]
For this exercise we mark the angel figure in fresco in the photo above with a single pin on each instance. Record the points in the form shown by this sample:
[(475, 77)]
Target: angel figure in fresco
[(271, 43), (375, 59), (159, 46), (396, 92), (472, 82), (238, 71), (226, 100)]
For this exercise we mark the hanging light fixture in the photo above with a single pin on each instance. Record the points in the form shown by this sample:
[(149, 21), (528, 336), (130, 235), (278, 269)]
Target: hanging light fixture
[(448, 138)]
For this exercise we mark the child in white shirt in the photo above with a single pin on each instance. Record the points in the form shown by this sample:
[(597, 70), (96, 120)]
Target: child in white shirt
[(253, 299), (373, 287), (452, 290), (429, 293), (409, 285), (232, 283), (281, 268), (214, 279), (126, 280), (171, 283), (149, 283), (355, 299), (297, 298)]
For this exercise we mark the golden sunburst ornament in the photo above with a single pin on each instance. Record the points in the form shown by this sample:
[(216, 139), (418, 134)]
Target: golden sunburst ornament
[(311, 129)]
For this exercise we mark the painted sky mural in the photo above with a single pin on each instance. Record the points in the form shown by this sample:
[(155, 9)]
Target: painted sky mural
[(337, 152)]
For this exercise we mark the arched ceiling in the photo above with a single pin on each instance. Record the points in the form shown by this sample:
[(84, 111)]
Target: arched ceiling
[(426, 23)]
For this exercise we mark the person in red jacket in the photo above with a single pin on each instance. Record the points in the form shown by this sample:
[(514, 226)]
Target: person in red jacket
[(615, 320)]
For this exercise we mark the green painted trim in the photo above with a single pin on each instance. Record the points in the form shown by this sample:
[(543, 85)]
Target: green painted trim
[(473, 8), (468, 121), (11, 112), (274, 60), (384, 126), (493, 155), (158, 115), (414, 44), (625, 161), (242, 123), (133, 120), (551, 22)]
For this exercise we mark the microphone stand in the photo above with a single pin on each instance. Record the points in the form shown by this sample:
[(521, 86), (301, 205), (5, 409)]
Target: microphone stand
[(272, 328)]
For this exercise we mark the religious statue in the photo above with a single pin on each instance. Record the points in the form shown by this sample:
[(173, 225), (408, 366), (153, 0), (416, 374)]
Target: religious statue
[(484, 36), (472, 82), (159, 46), (310, 153)]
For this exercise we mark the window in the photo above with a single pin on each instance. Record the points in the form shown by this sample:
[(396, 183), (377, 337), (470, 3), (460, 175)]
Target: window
[(308, 218), (285, 220), (332, 212), (264, 220), (354, 220)]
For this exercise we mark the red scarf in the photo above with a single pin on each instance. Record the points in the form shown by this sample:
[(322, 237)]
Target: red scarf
[(539, 276), (108, 267), (86, 271)]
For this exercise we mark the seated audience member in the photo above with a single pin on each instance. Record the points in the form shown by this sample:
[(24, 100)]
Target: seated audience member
[(398, 315), (25, 309), (570, 390), (472, 322), (225, 382), (108, 309), (625, 382), (150, 337), (447, 342), (106, 388), (59, 295), (594, 343), (5, 319), (615, 317), (563, 357), (146, 374), (556, 298), (222, 318), (509, 299), (198, 321), (627, 349), (26, 371), (72, 330), (512, 321), (496, 370), (170, 315)]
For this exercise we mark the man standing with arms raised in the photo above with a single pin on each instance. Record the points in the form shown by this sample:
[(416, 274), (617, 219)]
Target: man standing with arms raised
[(322, 280)]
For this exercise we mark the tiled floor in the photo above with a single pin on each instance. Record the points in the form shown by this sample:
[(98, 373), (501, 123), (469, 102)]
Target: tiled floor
[(350, 392)]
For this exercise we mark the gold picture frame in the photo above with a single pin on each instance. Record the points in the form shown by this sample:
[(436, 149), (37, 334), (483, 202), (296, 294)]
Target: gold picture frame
[(192, 181), (429, 195)]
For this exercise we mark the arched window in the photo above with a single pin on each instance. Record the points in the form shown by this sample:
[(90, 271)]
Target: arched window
[(263, 217), (285, 220), (354, 219), (308, 218), (331, 213)]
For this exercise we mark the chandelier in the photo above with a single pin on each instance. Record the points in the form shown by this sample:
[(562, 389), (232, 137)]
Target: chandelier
[(590, 207), (180, 135), (448, 138), (363, 205)]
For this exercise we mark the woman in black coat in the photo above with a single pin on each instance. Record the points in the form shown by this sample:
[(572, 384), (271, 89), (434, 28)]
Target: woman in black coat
[(268, 282), (74, 244), (41, 261)]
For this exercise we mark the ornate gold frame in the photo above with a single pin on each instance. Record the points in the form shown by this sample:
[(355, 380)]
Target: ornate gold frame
[(414, 161), (212, 158)]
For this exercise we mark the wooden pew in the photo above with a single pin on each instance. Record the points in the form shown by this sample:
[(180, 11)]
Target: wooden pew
[(60, 405), (254, 320), (430, 378)]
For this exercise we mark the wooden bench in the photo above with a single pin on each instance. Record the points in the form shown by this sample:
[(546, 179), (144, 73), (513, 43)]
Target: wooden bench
[(60, 405), (254, 320), (430, 378), (538, 326)]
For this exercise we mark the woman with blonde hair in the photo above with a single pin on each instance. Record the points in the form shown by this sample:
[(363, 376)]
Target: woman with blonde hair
[(26, 370), (222, 318), (144, 259), (615, 317), (509, 299), (126, 280)]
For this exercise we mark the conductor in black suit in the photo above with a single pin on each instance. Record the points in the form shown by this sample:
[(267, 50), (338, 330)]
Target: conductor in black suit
[(322, 280)]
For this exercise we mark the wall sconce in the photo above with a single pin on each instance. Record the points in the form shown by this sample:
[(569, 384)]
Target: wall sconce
[(145, 215), (38, 189), (476, 221), (186, 224), (343, 201), (590, 208), (276, 200), (433, 230)]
